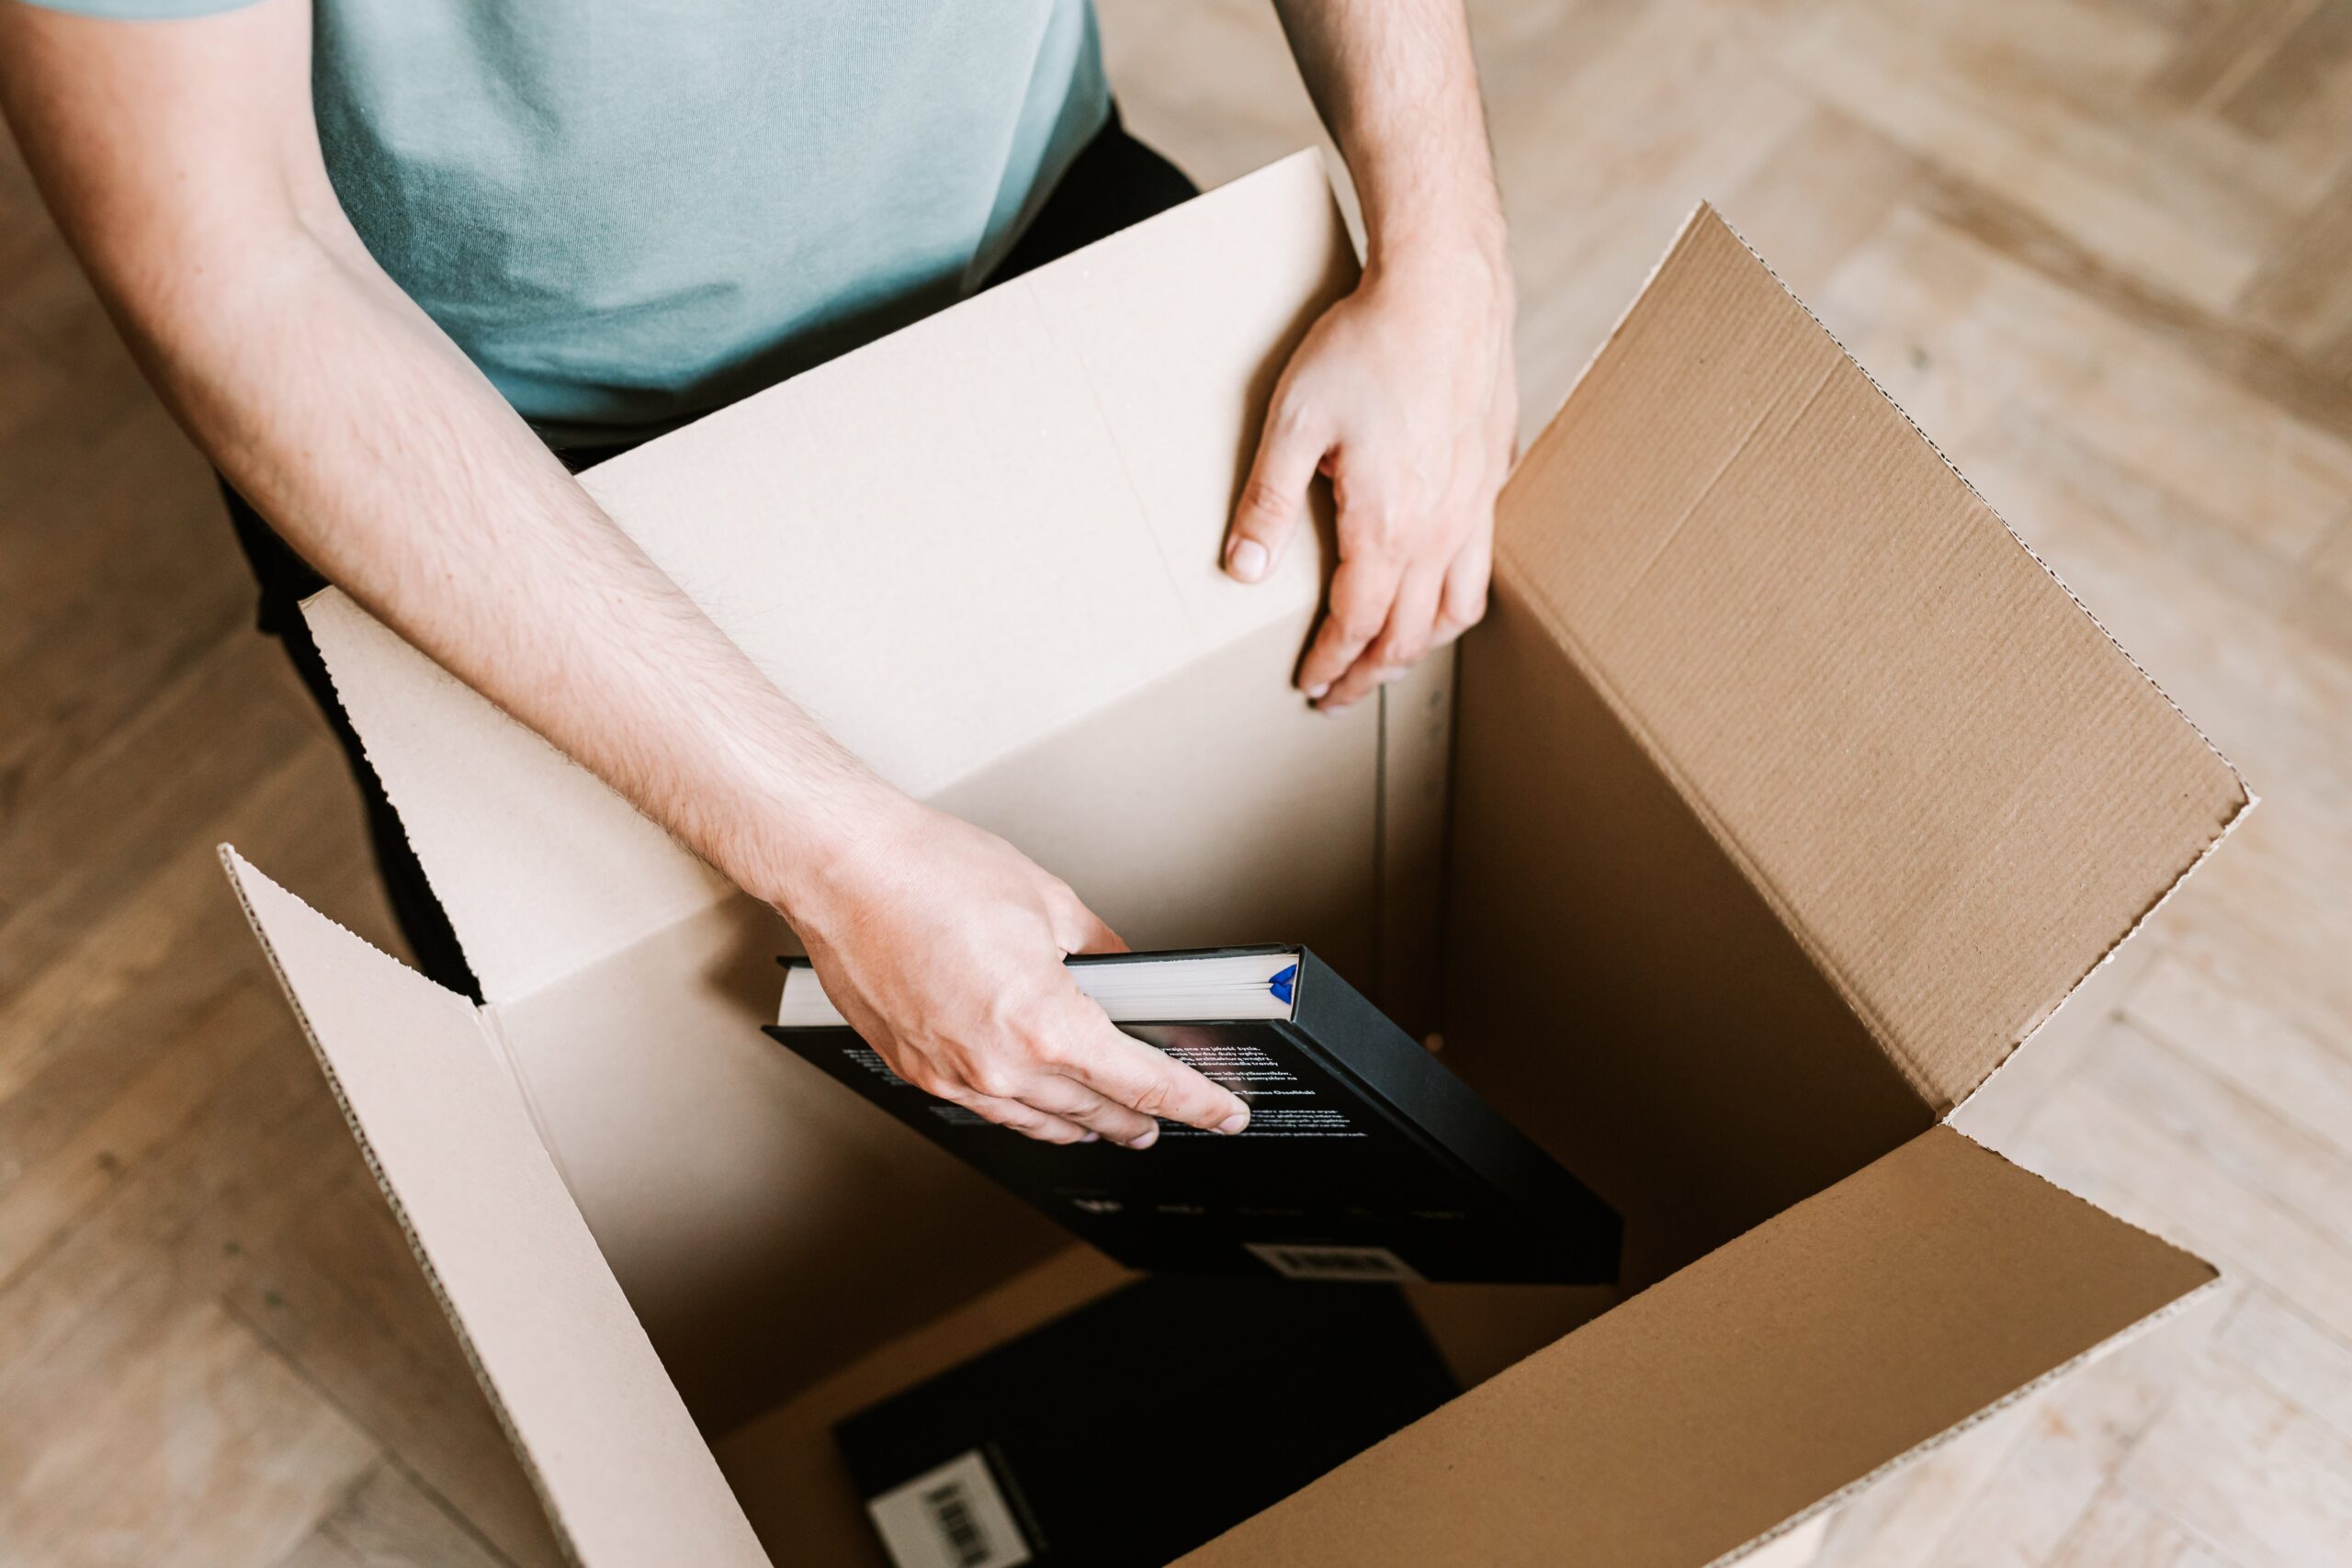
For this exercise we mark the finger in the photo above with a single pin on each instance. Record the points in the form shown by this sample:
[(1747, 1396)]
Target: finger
[(1081, 930), (1411, 623), (1128, 1072), (1464, 603), (1003, 1110), (945, 1084), (1025, 1119), (1073, 1101), (1362, 589), (1275, 494)]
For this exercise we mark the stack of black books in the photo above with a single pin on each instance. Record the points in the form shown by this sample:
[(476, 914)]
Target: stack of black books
[(1135, 1429)]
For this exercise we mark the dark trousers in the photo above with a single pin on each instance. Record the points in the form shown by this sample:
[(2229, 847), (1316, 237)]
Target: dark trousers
[(1113, 182)]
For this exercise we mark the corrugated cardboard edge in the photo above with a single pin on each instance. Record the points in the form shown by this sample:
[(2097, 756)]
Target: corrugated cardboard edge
[(1725, 839), (230, 860), (1704, 207), (2248, 801), (2016, 1396), (368, 754), (1720, 831), (1955, 1432), (501, 1050), (2237, 820)]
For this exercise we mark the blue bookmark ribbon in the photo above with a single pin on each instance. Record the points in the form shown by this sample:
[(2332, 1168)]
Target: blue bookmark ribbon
[(1281, 984)]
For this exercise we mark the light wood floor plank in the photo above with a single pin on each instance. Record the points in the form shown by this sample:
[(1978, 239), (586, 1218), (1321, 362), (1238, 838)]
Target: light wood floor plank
[(388, 1522), (2121, 1530), (339, 1298), (2092, 1142), (2294, 1073), (2254, 1476), (2294, 1358)]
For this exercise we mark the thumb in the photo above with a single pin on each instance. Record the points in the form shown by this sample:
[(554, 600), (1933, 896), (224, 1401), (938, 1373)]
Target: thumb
[(1080, 930), (1275, 493)]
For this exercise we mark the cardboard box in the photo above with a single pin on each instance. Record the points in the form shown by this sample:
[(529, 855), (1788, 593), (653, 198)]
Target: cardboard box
[(1786, 795)]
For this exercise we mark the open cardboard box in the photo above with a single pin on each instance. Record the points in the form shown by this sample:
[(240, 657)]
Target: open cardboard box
[(1782, 795)]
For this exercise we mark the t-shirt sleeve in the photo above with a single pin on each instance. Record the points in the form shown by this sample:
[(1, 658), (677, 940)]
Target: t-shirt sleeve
[(139, 10)]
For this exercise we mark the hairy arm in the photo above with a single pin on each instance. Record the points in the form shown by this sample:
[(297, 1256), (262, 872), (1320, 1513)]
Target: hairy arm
[(1405, 392), (182, 162)]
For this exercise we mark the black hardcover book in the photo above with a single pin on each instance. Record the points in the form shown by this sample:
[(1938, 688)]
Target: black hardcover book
[(1070, 1447), (1365, 1159)]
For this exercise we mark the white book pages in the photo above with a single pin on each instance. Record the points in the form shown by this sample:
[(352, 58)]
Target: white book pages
[(1209, 988)]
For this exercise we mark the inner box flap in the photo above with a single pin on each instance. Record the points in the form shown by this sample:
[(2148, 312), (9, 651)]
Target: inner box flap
[(625, 1475), (1939, 770), (1057, 456), (1754, 1386)]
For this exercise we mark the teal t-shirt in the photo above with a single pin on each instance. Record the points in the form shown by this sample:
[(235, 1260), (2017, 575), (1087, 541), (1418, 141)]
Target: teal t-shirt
[(629, 211)]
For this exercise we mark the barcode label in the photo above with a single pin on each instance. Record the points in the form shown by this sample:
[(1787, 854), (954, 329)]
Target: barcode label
[(954, 1516), (951, 1510), (1300, 1262)]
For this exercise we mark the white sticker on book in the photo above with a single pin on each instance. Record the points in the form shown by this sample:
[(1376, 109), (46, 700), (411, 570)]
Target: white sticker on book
[(955, 1516), (1304, 1262)]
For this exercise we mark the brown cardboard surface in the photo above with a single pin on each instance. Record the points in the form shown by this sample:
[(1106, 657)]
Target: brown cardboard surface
[(1170, 811), (783, 1465), (1947, 780), (1482, 1329), (1416, 770), (624, 1474), (500, 818), (764, 1223), (1046, 456), (1729, 1399), (1618, 985)]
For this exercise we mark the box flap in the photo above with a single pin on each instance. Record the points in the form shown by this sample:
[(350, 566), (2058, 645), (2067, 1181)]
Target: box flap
[(1947, 779), (1617, 980), (1733, 1399), (624, 1474), (1058, 455)]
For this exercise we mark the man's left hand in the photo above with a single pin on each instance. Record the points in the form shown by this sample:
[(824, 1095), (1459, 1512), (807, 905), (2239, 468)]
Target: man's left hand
[(1405, 395)]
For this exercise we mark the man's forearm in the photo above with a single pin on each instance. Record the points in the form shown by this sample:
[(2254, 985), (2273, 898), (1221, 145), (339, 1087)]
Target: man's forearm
[(1395, 82), (383, 456), (183, 163)]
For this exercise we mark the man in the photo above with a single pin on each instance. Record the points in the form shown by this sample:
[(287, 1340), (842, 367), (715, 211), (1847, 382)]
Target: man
[(389, 261)]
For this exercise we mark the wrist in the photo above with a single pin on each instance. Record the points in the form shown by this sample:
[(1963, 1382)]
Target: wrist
[(1447, 223), (1464, 270), (828, 859)]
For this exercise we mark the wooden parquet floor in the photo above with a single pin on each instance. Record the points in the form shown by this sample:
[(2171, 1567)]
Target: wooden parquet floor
[(2101, 249)]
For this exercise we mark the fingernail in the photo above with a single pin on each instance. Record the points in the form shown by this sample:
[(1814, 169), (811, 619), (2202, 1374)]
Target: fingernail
[(1314, 693), (1144, 1140), (1234, 1123), (1247, 559), (1091, 1138)]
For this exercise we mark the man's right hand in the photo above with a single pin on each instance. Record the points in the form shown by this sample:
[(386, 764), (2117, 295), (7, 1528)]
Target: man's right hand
[(942, 945)]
